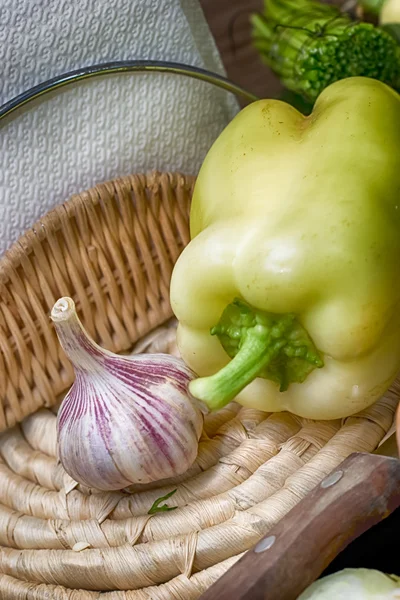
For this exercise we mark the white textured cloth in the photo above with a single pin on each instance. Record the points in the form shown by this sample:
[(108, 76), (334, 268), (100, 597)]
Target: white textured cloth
[(104, 127)]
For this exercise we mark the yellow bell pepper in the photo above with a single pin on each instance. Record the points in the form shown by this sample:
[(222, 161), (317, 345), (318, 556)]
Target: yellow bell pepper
[(287, 295)]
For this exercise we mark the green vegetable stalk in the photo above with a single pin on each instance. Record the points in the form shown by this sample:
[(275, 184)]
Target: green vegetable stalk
[(310, 45)]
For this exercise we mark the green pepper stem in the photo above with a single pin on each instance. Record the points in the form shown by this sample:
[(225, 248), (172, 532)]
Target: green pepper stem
[(255, 353)]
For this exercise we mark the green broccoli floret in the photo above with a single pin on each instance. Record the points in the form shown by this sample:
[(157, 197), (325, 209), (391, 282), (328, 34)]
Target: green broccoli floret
[(310, 45)]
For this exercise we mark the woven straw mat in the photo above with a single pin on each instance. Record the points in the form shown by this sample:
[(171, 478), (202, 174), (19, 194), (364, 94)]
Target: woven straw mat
[(112, 249)]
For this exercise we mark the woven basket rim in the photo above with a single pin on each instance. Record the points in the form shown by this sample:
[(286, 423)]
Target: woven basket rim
[(51, 218)]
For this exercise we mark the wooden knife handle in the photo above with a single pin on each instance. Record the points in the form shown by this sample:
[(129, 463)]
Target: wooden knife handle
[(362, 491)]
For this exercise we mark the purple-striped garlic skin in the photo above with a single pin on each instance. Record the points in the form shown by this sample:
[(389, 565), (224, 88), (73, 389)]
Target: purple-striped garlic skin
[(126, 419)]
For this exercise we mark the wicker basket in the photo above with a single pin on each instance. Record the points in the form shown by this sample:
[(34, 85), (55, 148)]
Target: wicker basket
[(112, 249)]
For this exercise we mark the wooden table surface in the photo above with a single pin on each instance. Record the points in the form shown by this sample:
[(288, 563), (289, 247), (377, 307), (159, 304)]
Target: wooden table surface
[(229, 23)]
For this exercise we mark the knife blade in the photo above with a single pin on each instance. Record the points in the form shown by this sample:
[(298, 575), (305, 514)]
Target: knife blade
[(360, 492)]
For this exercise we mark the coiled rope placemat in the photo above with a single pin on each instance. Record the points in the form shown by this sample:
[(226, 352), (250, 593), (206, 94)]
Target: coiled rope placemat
[(113, 249)]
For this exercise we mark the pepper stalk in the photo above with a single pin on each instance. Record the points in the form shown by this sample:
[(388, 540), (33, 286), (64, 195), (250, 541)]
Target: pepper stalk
[(261, 344)]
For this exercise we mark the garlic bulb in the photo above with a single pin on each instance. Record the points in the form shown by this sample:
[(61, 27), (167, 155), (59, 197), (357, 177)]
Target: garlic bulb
[(354, 584), (126, 419)]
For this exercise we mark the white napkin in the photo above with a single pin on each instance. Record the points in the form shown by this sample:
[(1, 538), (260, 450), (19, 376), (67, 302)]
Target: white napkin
[(104, 127)]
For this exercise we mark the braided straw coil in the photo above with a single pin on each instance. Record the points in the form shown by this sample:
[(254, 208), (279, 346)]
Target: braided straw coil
[(112, 249)]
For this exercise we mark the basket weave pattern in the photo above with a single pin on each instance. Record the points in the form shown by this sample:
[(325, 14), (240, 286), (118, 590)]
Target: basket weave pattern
[(112, 249)]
